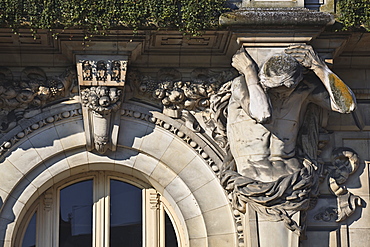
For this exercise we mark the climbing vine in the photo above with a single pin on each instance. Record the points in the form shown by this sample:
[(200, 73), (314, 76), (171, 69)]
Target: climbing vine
[(98, 16), (354, 13)]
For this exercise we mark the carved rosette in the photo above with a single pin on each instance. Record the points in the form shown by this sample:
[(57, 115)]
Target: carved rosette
[(101, 81)]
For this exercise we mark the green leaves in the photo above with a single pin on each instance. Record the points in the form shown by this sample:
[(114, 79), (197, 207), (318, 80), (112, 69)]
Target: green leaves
[(198, 15), (354, 13), (97, 16)]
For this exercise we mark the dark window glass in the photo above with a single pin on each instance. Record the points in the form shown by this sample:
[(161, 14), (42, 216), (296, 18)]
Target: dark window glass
[(171, 240), (75, 223), (29, 239), (125, 215)]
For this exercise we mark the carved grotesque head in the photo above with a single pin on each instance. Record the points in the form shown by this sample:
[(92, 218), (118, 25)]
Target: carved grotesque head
[(345, 162), (281, 70)]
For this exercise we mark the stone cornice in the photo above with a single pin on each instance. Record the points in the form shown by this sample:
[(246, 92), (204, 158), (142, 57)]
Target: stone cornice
[(275, 17)]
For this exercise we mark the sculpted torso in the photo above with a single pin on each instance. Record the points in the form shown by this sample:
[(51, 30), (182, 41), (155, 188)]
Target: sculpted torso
[(266, 151)]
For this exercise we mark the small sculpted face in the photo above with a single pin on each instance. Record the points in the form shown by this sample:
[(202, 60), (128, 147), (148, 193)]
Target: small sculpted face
[(342, 171)]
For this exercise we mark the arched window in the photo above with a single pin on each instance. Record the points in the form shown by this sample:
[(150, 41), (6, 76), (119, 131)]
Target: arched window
[(29, 239), (99, 210)]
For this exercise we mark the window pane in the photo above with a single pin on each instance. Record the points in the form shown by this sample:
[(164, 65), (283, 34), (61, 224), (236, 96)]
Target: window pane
[(75, 224), (125, 215), (171, 240), (29, 239)]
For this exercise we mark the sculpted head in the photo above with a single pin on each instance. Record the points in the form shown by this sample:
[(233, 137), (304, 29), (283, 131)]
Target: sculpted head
[(281, 70)]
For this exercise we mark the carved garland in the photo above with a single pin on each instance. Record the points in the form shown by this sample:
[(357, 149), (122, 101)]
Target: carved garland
[(34, 90)]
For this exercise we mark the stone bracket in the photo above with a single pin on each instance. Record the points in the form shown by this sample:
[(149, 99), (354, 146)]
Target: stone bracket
[(101, 130), (101, 80)]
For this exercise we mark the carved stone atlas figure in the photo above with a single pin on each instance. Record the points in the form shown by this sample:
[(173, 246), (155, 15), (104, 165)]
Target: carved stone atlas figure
[(265, 113)]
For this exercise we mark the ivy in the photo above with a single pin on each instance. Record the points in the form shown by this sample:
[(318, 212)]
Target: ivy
[(98, 16), (354, 13)]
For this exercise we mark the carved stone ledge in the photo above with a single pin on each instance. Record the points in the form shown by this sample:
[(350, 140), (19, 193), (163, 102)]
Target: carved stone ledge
[(276, 17)]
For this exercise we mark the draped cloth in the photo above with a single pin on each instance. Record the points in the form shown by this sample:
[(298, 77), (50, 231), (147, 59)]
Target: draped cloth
[(277, 200)]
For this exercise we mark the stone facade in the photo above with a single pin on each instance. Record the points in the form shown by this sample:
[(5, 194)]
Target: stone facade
[(155, 109)]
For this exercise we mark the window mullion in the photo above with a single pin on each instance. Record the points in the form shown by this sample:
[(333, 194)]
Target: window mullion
[(151, 217), (107, 211), (46, 233), (162, 226), (99, 225)]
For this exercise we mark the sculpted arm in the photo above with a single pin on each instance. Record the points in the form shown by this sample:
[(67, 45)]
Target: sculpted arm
[(251, 96), (342, 99)]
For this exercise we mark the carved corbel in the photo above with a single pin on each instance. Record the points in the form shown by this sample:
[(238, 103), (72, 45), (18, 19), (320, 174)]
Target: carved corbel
[(101, 80)]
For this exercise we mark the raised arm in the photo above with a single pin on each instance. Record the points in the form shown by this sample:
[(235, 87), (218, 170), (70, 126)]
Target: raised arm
[(342, 98), (254, 101)]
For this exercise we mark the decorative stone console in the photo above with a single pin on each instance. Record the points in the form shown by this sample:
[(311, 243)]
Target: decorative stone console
[(101, 80)]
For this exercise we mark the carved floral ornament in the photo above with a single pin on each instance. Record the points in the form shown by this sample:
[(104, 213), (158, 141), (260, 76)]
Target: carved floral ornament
[(177, 95), (32, 91), (101, 99), (100, 104)]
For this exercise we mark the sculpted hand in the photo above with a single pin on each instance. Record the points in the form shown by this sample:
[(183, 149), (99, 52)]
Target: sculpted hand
[(256, 103), (242, 61), (305, 55)]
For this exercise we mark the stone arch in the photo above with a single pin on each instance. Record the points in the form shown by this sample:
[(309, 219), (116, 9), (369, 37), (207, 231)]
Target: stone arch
[(180, 164)]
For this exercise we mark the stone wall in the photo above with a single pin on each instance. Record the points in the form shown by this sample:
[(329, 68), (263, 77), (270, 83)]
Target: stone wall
[(166, 133)]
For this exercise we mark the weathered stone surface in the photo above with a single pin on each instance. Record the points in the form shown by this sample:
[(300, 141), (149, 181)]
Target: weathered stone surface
[(276, 17), (184, 153)]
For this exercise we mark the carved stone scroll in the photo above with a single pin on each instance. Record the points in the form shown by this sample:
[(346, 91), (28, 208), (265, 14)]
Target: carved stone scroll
[(101, 80), (345, 163)]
